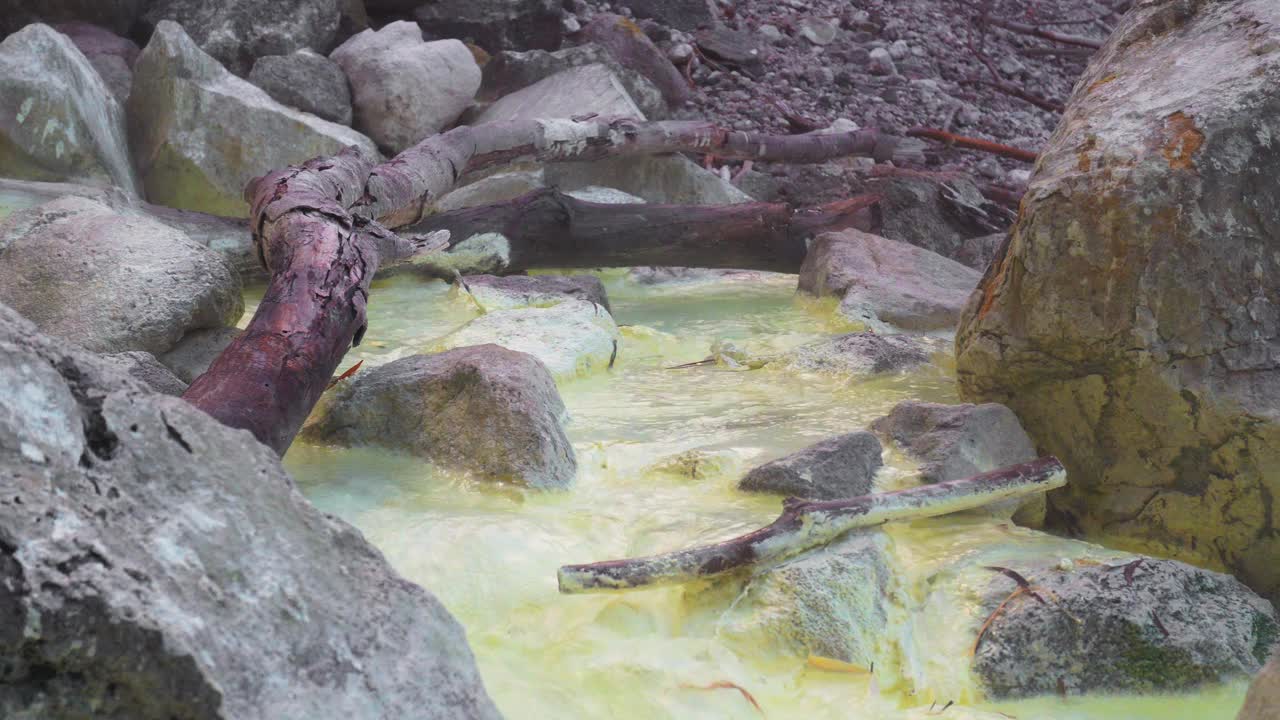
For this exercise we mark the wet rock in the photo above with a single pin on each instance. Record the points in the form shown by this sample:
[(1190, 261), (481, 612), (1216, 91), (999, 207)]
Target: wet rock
[(136, 530), (404, 89), (117, 16), (110, 281), (947, 215), (238, 32), (111, 55), (633, 49), (198, 133), (569, 92), (509, 71), (143, 367), (495, 24), (500, 293), (887, 284), (838, 467), (193, 354), (58, 119), (862, 353), (484, 409), (571, 338), (307, 81), (684, 15), (1139, 344), (952, 442), (1263, 699)]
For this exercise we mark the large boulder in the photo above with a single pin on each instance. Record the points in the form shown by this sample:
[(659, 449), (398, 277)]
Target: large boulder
[(116, 15), (1263, 700), (495, 24), (155, 564), (143, 367), (886, 284), (946, 214), (111, 55), (484, 409), (405, 89), (307, 81), (861, 353), (628, 44), (952, 442), (565, 93), (112, 281), (196, 351), (510, 70), (495, 292), (1133, 322), (238, 32), (198, 133), (839, 467), (58, 119)]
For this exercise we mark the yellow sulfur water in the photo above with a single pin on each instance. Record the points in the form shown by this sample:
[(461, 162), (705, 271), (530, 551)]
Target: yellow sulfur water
[(659, 451)]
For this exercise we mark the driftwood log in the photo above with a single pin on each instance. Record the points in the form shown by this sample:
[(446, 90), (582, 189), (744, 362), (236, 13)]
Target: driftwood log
[(322, 229), (806, 525)]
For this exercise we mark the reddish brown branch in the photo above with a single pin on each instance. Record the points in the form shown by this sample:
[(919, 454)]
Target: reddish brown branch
[(1035, 31), (973, 143)]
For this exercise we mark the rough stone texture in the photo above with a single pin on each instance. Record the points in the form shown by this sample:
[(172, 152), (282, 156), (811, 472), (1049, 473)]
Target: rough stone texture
[(495, 24), (195, 352), (1160, 626), (495, 188), (110, 281), (579, 90), (952, 442), (571, 338), (404, 89), (862, 353), (887, 284), (1133, 323), (628, 44), (116, 15), (838, 467), (483, 409), (199, 134), (1263, 700), (604, 196), (111, 55), (686, 15), (307, 81), (939, 214), (509, 71), (135, 531), (238, 32), (143, 367), (667, 179), (495, 292), (58, 119)]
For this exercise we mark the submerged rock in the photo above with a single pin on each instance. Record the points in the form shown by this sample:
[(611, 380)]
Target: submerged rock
[(952, 442), (404, 89), (862, 353), (1133, 323), (155, 564), (685, 15), (110, 281), (143, 367), (839, 467), (495, 292), (193, 354), (58, 119), (307, 81), (483, 409), (238, 32), (571, 338), (887, 284), (198, 133)]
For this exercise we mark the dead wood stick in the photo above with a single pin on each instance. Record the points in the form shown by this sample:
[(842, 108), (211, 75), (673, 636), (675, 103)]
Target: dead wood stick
[(1073, 52), (321, 229), (806, 525), (1034, 31), (973, 143)]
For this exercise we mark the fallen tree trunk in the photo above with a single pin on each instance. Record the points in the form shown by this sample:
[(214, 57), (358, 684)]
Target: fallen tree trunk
[(547, 228), (321, 230), (805, 525)]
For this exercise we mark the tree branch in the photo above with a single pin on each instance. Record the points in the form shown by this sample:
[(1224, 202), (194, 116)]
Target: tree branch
[(806, 525), (973, 143), (1032, 30)]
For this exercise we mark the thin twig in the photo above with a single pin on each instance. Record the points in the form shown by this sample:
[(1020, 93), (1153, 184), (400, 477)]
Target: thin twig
[(972, 143)]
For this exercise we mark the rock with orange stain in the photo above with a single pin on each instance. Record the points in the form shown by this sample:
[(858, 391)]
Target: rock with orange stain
[(1133, 322)]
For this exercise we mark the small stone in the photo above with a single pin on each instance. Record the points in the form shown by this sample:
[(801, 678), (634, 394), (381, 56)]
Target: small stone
[(570, 24), (839, 467), (880, 62), (680, 53), (818, 31), (899, 49)]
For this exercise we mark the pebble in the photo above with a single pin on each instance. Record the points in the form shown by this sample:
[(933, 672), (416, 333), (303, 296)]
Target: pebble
[(770, 33), (817, 31), (680, 53), (880, 62), (899, 49)]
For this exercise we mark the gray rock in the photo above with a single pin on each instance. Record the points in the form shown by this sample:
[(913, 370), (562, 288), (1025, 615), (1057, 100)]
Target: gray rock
[(579, 90), (482, 409), (495, 188), (604, 196), (404, 89), (838, 467), (238, 32), (952, 442), (58, 119), (1157, 626), (495, 24), (817, 30), (495, 292), (572, 338), (307, 81), (881, 63), (193, 354), (676, 275), (887, 284), (509, 71), (1140, 344), (143, 367), (136, 532), (110, 281), (684, 15), (111, 55), (862, 353), (1263, 699), (628, 44), (668, 179), (947, 215)]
